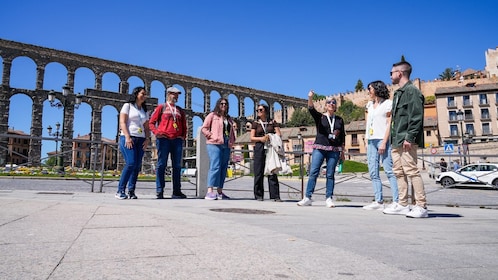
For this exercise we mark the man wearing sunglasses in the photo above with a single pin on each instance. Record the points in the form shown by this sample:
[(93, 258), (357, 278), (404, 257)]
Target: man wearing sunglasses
[(407, 134)]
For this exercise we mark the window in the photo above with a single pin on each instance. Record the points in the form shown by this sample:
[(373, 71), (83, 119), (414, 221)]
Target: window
[(486, 129), (452, 115), (466, 100), (453, 130), (484, 113), (483, 99), (469, 129), (428, 133), (354, 139), (451, 101), (468, 115)]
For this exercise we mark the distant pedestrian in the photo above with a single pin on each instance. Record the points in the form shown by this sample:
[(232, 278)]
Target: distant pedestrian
[(133, 140), (443, 165), (407, 134), (456, 164)]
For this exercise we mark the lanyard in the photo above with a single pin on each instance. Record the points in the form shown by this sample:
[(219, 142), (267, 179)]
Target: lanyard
[(173, 112), (331, 123), (262, 125)]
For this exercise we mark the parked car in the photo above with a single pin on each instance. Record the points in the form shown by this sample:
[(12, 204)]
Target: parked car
[(480, 174)]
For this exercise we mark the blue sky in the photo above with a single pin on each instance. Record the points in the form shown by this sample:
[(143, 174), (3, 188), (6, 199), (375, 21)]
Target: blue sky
[(282, 46)]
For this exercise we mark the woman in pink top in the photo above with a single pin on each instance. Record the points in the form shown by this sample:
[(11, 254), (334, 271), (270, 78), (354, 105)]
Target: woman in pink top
[(218, 129)]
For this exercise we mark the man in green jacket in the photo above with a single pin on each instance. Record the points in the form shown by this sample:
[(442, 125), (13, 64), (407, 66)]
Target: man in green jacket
[(407, 134)]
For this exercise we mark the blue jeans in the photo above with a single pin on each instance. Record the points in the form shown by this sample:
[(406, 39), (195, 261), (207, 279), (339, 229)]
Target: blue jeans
[(374, 159), (317, 157), (219, 155), (164, 148), (133, 163)]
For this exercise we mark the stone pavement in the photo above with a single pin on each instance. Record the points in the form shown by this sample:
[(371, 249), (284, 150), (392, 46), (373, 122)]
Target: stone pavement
[(50, 234)]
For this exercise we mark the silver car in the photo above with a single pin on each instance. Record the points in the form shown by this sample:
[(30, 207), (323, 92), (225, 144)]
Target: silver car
[(480, 174)]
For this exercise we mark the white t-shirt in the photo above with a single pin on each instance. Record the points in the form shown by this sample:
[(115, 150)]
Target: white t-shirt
[(136, 119), (377, 119)]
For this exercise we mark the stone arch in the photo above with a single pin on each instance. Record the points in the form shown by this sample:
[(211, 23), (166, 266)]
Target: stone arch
[(110, 82), (23, 73), (101, 93)]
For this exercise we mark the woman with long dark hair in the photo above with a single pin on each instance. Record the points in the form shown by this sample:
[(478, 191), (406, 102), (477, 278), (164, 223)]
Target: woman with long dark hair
[(260, 135), (378, 145), (134, 139), (218, 129)]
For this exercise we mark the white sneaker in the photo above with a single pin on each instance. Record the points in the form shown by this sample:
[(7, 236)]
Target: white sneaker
[(397, 209), (418, 212), (329, 203), (305, 202), (374, 206)]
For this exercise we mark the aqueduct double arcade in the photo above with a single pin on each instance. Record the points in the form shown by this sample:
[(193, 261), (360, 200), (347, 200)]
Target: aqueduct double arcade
[(97, 98)]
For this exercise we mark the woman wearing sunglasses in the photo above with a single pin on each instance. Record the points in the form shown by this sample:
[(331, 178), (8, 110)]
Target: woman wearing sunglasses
[(328, 146), (218, 129), (260, 135)]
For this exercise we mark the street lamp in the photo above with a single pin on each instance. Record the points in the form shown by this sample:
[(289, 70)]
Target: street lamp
[(65, 100), (57, 134), (460, 117), (300, 138)]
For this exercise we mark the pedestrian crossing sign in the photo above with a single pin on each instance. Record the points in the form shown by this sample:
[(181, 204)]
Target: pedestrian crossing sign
[(448, 148)]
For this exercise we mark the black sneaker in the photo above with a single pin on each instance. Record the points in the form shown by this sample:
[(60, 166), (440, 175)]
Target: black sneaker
[(178, 196), (132, 195), (159, 195)]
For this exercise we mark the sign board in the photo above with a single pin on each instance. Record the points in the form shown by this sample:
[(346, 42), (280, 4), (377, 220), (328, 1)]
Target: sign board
[(433, 151), (448, 148)]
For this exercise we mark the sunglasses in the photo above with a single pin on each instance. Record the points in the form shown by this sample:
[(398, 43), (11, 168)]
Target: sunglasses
[(223, 103), (332, 102), (260, 110)]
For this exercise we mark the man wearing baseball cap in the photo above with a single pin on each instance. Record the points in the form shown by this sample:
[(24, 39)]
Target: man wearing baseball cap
[(169, 125)]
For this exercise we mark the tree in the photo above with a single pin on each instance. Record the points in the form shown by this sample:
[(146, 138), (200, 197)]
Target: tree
[(359, 86), (300, 117), (350, 112), (52, 161), (447, 75), (430, 99)]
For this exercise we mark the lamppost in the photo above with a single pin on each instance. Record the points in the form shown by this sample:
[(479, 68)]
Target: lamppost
[(300, 138), (65, 100), (57, 134), (460, 117)]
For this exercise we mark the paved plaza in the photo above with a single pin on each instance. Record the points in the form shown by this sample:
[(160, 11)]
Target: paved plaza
[(59, 229)]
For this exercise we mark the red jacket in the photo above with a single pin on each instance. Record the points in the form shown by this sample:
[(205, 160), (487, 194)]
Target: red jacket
[(172, 123)]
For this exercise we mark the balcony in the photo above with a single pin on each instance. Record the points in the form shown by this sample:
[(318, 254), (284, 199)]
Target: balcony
[(487, 131), (469, 117), (467, 104), (483, 103), (452, 105), (485, 117)]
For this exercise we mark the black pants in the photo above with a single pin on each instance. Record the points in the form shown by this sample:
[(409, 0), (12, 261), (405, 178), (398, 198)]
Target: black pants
[(259, 168)]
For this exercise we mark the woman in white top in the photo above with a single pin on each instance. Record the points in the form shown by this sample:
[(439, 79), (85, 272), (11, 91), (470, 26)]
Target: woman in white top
[(378, 148), (134, 139)]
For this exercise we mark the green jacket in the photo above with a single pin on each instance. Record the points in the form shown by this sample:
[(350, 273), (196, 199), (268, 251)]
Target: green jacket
[(407, 122)]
